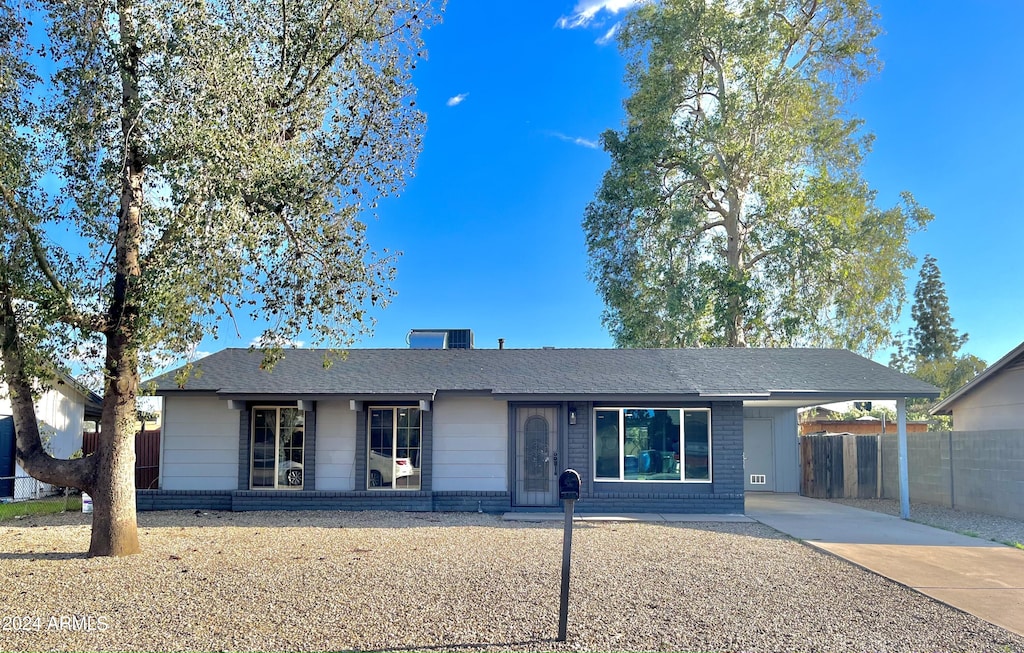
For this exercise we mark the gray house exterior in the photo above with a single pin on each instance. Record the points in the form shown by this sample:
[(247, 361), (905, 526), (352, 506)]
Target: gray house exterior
[(993, 400), (648, 430)]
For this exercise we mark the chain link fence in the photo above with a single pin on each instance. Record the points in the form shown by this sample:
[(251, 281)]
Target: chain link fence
[(21, 496)]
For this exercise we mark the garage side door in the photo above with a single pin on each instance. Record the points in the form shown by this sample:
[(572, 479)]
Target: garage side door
[(758, 455)]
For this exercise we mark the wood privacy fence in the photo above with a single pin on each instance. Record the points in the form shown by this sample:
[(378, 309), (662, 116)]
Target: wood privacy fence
[(147, 456), (980, 471), (840, 466)]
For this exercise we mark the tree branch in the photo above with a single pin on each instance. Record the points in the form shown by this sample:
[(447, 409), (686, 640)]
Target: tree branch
[(71, 315), (709, 56), (31, 454), (708, 226)]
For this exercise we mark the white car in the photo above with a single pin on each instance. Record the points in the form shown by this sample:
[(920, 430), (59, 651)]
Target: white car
[(289, 473), (382, 472)]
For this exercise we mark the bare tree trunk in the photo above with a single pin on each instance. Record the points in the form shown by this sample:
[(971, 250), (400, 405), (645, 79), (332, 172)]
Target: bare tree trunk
[(115, 529), (735, 333), (114, 524)]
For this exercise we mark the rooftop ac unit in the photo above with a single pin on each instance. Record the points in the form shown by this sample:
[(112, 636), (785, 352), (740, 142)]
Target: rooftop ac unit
[(440, 339)]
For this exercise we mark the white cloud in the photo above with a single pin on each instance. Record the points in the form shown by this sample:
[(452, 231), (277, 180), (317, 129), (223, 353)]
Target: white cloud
[(586, 11), (456, 100), (576, 140), (609, 35)]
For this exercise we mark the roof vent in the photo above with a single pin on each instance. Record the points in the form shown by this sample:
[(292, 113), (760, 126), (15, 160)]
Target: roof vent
[(440, 339)]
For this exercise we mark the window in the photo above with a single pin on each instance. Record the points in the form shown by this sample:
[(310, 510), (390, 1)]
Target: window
[(393, 449), (277, 448), (652, 444)]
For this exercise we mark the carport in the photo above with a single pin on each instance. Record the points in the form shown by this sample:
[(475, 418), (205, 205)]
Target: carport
[(771, 455)]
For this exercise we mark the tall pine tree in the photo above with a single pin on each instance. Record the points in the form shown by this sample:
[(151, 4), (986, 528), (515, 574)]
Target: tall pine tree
[(931, 350), (933, 336)]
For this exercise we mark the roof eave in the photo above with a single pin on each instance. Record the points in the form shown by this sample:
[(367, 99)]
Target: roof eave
[(321, 396), (944, 407)]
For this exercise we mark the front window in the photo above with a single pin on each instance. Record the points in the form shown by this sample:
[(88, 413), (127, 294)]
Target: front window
[(393, 449), (652, 444), (277, 448)]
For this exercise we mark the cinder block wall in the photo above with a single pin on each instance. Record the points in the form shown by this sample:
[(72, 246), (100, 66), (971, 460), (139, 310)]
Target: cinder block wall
[(988, 472), (980, 471), (928, 463)]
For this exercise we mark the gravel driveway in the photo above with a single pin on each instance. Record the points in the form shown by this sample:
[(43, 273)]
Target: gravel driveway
[(379, 580)]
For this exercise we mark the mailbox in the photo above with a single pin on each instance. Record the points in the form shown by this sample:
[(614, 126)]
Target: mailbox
[(569, 485)]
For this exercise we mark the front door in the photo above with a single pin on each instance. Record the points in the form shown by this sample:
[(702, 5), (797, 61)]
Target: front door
[(758, 455), (536, 456)]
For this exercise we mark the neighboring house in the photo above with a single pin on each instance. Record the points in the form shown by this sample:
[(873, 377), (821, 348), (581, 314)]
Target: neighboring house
[(993, 400), (61, 409), (829, 419), (866, 425), (680, 430)]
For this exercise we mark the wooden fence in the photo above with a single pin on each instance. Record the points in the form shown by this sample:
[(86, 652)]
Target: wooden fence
[(147, 456), (980, 471), (840, 466)]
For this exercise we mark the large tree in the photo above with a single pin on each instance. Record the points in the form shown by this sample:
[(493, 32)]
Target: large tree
[(933, 335), (930, 349), (168, 164), (734, 212)]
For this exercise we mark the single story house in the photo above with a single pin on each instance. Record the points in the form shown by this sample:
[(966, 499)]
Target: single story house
[(993, 400), (669, 430), (63, 407)]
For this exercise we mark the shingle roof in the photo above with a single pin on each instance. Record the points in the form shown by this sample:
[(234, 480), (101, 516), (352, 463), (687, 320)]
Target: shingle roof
[(548, 372)]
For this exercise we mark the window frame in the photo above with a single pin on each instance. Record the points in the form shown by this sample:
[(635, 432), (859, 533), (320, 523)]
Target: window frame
[(277, 447), (394, 447), (621, 410)]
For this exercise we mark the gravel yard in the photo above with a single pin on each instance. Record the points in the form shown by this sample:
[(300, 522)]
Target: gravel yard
[(989, 527), (379, 580)]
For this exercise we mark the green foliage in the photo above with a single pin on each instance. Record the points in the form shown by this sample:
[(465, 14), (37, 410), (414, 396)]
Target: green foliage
[(930, 349), (261, 134), (933, 336), (734, 212), (180, 163), (880, 412)]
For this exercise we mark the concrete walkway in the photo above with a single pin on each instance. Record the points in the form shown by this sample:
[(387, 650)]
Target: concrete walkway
[(977, 576)]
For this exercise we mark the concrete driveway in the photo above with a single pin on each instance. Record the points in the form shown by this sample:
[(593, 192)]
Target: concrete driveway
[(977, 576)]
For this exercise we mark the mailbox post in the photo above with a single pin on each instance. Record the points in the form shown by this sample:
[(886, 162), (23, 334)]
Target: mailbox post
[(569, 493)]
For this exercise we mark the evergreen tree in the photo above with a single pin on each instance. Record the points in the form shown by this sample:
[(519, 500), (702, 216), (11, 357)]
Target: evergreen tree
[(930, 349), (933, 337)]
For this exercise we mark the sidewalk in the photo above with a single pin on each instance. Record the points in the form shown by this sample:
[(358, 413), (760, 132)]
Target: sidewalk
[(977, 576)]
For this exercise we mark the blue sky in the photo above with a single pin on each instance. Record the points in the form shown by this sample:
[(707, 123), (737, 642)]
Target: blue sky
[(490, 225)]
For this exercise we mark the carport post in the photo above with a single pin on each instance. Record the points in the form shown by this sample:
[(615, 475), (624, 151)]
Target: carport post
[(901, 438)]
